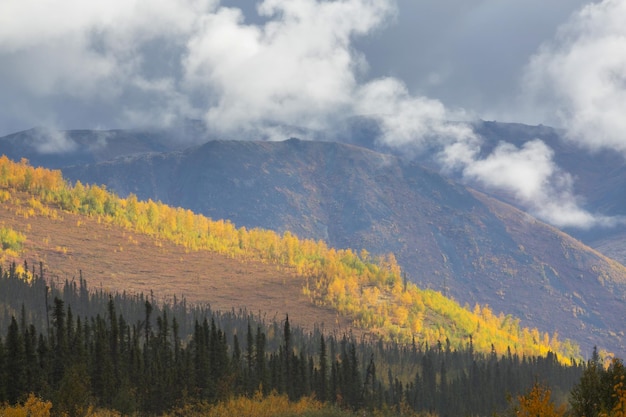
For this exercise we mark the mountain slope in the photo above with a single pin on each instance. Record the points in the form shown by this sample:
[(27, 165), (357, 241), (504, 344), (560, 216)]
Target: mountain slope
[(116, 259), (598, 176), (445, 236), (372, 294), (56, 149)]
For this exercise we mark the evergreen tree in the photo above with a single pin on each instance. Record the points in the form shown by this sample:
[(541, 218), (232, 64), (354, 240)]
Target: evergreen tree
[(34, 378), (287, 382), (610, 380), (201, 360), (251, 376), (3, 376), (586, 396), (259, 355), (60, 341), (106, 362), (15, 369), (322, 388)]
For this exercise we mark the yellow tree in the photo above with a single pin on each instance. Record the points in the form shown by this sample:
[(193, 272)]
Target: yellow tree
[(619, 409), (620, 406), (538, 403)]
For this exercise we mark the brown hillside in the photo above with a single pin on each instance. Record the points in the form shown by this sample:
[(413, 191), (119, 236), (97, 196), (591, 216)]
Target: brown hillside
[(444, 236), (70, 243)]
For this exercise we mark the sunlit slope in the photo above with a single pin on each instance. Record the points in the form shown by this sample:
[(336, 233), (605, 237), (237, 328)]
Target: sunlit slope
[(444, 236), (370, 291)]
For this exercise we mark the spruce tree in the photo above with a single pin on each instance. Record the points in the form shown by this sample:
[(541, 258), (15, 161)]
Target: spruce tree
[(60, 341), (3, 376), (322, 388), (15, 369), (287, 381), (586, 396)]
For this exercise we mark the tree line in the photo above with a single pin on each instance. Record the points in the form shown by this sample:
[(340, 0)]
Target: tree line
[(371, 289), (134, 355)]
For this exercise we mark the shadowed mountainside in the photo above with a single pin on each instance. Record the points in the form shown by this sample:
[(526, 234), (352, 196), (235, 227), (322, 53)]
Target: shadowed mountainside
[(57, 149), (446, 237), (598, 176)]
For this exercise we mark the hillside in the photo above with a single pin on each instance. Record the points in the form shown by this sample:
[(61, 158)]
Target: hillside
[(371, 295), (443, 235), (596, 173), (114, 258), (56, 149)]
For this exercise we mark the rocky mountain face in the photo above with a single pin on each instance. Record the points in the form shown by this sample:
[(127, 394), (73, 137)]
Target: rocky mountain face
[(463, 242)]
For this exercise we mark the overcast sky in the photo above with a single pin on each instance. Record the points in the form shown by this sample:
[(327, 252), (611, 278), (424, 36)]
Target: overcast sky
[(124, 63), (270, 69)]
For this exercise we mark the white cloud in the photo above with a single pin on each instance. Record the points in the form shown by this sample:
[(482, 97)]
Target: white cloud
[(406, 119), (52, 141), (296, 69), (580, 77), (526, 171), (531, 176)]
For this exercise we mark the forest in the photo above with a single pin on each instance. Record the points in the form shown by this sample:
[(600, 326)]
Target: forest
[(82, 351), (371, 289), (68, 349)]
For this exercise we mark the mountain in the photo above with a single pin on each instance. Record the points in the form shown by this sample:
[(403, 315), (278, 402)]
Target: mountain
[(463, 242), (57, 149), (447, 237), (130, 245), (598, 176)]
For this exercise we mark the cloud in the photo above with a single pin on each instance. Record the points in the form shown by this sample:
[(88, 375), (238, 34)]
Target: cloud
[(59, 56), (407, 120), (291, 70), (580, 76), (298, 68), (52, 141), (532, 178)]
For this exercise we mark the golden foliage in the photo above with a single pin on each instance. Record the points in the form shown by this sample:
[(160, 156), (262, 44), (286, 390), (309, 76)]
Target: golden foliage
[(538, 403), (11, 240), (619, 392), (32, 407), (273, 405), (369, 289), (620, 407)]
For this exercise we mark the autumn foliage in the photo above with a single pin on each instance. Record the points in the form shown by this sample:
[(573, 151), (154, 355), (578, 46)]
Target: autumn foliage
[(538, 403), (32, 407), (368, 288)]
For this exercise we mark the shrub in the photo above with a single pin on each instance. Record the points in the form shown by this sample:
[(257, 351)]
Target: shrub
[(11, 239)]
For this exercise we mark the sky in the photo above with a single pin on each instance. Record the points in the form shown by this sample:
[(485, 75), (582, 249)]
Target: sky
[(271, 69)]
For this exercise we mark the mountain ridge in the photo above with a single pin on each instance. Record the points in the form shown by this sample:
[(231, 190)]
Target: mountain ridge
[(446, 236), (372, 294)]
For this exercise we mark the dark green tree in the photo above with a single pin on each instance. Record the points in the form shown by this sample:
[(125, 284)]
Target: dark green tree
[(586, 397), (15, 365), (322, 388)]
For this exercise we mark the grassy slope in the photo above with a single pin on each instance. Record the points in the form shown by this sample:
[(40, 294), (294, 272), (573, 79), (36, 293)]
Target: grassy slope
[(117, 259), (114, 254)]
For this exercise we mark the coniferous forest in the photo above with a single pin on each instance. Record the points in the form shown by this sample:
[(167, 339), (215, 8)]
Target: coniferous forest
[(83, 350)]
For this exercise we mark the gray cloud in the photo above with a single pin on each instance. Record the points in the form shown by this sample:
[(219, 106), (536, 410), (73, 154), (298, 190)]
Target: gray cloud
[(119, 63), (60, 58), (296, 67), (468, 54)]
